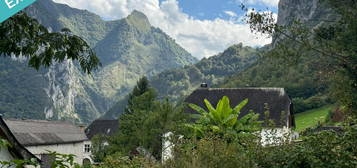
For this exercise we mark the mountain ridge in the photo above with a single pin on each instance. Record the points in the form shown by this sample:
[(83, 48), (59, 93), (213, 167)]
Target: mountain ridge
[(177, 83), (63, 91)]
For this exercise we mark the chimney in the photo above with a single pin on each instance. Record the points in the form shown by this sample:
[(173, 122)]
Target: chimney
[(204, 85), (82, 127)]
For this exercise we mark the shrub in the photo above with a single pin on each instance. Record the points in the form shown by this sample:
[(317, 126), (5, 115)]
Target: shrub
[(223, 120), (119, 161), (319, 150)]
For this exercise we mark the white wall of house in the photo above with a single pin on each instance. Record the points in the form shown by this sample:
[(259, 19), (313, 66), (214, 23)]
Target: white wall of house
[(167, 147), (5, 155), (77, 149), (276, 136)]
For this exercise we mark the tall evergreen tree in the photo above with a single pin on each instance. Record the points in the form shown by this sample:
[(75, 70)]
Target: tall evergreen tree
[(145, 121), (141, 87), (140, 104)]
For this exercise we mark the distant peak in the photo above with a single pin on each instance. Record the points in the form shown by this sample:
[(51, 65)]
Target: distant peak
[(138, 14), (139, 20), (234, 48)]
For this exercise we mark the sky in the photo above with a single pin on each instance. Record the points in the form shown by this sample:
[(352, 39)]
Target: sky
[(202, 27)]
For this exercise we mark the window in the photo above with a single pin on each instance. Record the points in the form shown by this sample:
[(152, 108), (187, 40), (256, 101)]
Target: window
[(86, 148)]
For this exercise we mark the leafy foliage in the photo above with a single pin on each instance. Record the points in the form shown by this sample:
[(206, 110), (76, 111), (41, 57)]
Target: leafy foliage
[(119, 161), (223, 120), (63, 160), (24, 36), (144, 122), (99, 149), (141, 87), (324, 149), (60, 161), (18, 163), (330, 46)]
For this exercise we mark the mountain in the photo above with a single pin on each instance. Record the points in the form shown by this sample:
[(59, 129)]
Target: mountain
[(128, 49), (181, 82), (311, 13), (241, 67), (302, 80), (177, 83)]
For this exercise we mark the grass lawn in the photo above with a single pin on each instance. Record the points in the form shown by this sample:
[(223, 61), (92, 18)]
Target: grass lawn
[(311, 118)]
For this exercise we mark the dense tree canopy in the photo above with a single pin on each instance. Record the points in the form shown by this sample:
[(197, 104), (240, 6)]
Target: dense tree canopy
[(144, 122)]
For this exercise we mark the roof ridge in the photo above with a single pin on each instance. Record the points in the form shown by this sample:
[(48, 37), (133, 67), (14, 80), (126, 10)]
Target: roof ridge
[(255, 88), (40, 121)]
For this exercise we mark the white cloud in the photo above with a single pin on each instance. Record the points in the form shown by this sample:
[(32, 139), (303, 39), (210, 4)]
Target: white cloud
[(230, 13), (202, 38), (269, 3)]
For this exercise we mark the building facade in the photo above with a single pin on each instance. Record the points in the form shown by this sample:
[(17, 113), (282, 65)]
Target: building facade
[(275, 101), (41, 137), (14, 150)]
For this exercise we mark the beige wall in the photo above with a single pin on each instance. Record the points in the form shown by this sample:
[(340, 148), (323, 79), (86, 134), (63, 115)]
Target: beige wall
[(5, 155), (276, 136), (73, 148)]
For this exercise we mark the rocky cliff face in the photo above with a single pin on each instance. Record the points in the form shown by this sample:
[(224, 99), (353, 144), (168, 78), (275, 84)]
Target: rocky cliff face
[(128, 49), (311, 13)]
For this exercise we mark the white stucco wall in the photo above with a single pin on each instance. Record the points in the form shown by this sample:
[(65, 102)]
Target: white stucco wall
[(276, 136), (5, 155), (73, 148), (167, 147)]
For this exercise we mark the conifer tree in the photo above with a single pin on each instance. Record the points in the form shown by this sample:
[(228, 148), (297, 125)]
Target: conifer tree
[(141, 87)]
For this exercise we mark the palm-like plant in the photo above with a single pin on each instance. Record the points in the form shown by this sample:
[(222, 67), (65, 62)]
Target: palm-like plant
[(223, 119)]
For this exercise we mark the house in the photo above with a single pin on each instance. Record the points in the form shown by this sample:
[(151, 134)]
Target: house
[(15, 150), (102, 127), (274, 100), (41, 136)]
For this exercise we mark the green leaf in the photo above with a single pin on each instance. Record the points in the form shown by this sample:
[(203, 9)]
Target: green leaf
[(209, 105), (239, 107), (231, 120), (195, 116), (212, 111), (215, 128), (225, 108), (197, 108)]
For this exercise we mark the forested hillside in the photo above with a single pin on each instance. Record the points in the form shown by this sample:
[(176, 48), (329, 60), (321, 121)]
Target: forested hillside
[(301, 74), (177, 83), (301, 81)]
